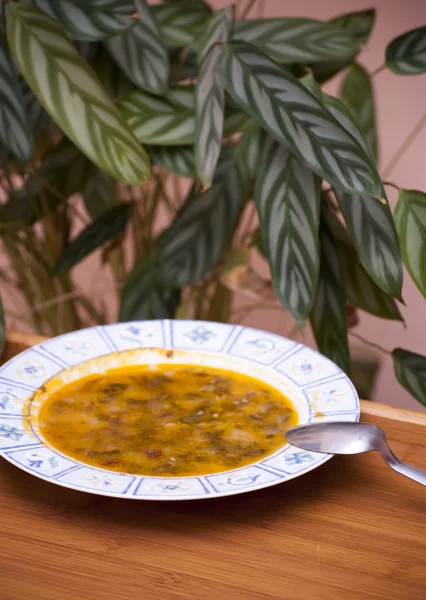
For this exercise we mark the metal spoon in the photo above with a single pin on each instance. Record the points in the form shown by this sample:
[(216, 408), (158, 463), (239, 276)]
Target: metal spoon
[(350, 438)]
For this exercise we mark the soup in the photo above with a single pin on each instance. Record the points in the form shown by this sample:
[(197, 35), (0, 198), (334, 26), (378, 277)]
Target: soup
[(167, 420)]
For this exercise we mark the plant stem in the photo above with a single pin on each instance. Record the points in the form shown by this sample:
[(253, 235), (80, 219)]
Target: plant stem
[(368, 343), (404, 147), (393, 185), (249, 6), (378, 70)]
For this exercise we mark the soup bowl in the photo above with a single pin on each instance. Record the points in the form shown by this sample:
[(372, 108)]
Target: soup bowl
[(317, 388)]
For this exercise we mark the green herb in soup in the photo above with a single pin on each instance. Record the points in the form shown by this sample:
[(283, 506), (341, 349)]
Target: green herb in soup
[(168, 420)]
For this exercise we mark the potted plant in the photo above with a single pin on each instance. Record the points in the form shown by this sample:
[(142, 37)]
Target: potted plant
[(196, 139)]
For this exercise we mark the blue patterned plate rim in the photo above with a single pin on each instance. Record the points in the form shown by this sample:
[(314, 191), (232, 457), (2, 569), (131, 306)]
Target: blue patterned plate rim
[(319, 390)]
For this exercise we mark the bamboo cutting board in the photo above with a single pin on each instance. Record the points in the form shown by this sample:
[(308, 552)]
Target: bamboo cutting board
[(352, 529)]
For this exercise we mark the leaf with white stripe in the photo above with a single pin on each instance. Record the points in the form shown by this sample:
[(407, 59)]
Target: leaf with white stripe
[(72, 94), (410, 220), (359, 25), (287, 196), (170, 120), (90, 20), (361, 290), (329, 312), (203, 227), (181, 23), (210, 97), (106, 226), (140, 52), (406, 54), (15, 127), (175, 159), (145, 296), (293, 40), (372, 228), (357, 93), (297, 119), (410, 370)]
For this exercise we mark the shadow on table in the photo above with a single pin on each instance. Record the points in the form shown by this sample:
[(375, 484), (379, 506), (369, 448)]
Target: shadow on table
[(261, 507)]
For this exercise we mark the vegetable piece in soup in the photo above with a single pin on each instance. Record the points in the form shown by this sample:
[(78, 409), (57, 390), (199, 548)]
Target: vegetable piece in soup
[(172, 420)]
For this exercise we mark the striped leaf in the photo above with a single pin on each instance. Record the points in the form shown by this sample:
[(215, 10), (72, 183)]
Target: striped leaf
[(107, 226), (372, 228), (15, 127), (410, 220), (297, 119), (357, 93), (181, 22), (210, 97), (361, 290), (292, 40), (410, 370), (90, 19), (2, 329), (343, 115), (359, 25), (194, 242), (329, 311), (287, 196), (72, 95), (111, 76), (406, 55), (176, 159), (140, 52), (145, 296), (170, 120)]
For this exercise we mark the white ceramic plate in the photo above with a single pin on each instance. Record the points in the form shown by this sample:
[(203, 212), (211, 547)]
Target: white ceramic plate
[(319, 390)]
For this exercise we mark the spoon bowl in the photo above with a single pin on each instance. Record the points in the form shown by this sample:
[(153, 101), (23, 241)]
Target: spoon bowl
[(350, 438)]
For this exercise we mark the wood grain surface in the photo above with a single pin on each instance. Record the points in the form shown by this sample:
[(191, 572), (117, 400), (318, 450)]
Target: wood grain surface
[(351, 529)]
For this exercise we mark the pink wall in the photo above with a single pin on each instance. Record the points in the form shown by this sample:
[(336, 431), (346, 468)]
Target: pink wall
[(400, 105)]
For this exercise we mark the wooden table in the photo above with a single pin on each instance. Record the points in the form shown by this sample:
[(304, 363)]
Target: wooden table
[(352, 529)]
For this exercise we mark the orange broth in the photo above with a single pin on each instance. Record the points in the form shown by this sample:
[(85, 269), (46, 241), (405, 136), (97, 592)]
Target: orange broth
[(170, 420)]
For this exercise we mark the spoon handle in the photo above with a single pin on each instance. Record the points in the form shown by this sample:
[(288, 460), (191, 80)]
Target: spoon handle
[(407, 470)]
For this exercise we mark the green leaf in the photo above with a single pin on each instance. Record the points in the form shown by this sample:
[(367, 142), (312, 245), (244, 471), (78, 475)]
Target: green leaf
[(2, 329), (410, 369), (406, 54), (111, 76), (372, 228), (36, 114), (87, 50), (287, 196), (107, 226), (329, 312), (361, 290), (141, 54), (91, 19), (72, 95), (292, 40), (297, 119), (176, 159), (145, 296), (15, 128), (181, 22), (98, 192), (357, 93), (359, 25), (410, 220), (170, 120), (203, 227), (210, 97)]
